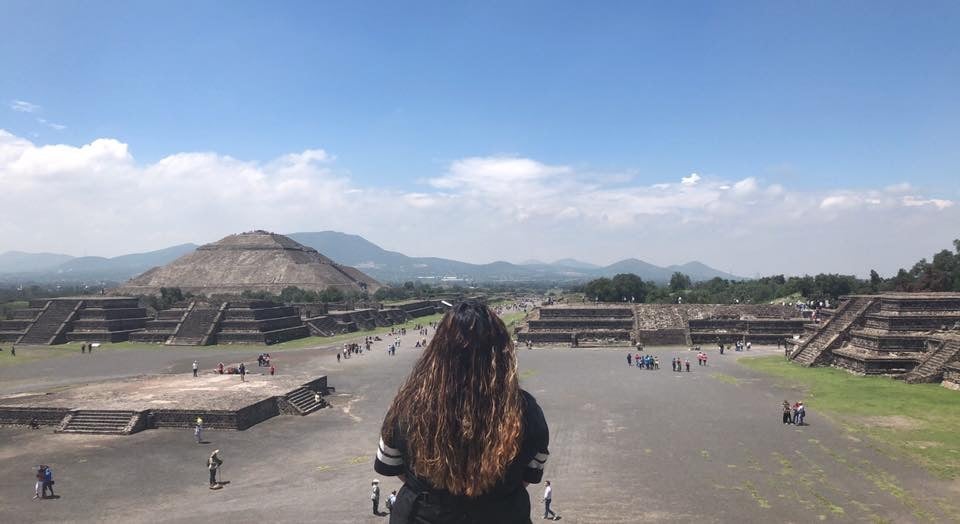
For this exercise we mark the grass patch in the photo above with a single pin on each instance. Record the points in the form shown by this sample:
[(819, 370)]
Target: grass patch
[(728, 379), (897, 414), (511, 320)]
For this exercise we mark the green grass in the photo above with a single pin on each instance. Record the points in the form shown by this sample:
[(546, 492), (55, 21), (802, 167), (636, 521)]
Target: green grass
[(9, 307), (513, 319), (920, 420)]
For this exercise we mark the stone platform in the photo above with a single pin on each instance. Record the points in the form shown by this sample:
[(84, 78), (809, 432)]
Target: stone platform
[(223, 401)]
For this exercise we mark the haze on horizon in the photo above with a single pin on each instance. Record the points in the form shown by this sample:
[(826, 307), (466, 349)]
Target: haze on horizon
[(757, 138)]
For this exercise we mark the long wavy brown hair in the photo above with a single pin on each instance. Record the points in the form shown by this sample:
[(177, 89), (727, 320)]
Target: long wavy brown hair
[(460, 409)]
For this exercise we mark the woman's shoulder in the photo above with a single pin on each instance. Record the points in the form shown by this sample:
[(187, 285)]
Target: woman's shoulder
[(532, 413)]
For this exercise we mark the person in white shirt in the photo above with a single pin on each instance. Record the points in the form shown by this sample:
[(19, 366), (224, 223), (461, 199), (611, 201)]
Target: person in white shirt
[(547, 499)]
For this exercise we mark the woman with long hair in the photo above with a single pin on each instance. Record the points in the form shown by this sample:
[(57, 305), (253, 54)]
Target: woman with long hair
[(461, 434)]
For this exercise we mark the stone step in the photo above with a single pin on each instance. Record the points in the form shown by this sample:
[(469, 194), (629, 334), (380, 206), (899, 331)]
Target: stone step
[(303, 400), (98, 422)]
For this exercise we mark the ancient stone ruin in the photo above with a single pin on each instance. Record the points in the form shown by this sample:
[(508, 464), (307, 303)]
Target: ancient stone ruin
[(667, 324), (254, 261), (74, 319), (913, 335)]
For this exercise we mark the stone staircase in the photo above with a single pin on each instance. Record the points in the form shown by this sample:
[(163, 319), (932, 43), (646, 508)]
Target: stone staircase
[(304, 400), (930, 369), (324, 326), (195, 328), (100, 422), (49, 322), (810, 351)]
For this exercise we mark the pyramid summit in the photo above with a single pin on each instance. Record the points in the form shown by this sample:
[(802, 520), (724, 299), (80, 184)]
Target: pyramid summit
[(251, 261)]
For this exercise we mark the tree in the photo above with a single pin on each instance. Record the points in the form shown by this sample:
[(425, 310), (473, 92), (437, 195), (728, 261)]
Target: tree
[(679, 282)]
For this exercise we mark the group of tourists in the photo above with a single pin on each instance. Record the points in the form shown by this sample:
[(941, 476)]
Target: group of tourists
[(678, 364), (84, 348), (643, 361), (263, 360), (239, 369), (793, 414), (701, 359)]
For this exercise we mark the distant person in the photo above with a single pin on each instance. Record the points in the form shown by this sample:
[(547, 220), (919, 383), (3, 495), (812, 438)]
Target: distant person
[(48, 481), (213, 465), (391, 500), (461, 434), (243, 372), (629, 360), (83, 348), (787, 419), (686, 363), (547, 499), (198, 430), (338, 357), (13, 351), (220, 368), (196, 368), (375, 496), (801, 413), (39, 484)]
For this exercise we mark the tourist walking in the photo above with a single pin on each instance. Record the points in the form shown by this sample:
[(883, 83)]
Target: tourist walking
[(801, 413), (196, 367), (39, 484), (687, 364), (629, 358), (213, 465), (47, 481), (375, 496), (787, 419), (198, 430), (243, 372), (547, 499), (473, 470), (338, 357)]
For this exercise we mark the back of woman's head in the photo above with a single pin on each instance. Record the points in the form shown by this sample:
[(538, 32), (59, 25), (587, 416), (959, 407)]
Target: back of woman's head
[(460, 409)]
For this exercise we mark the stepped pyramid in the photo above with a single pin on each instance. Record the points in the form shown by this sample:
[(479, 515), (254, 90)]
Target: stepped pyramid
[(254, 261)]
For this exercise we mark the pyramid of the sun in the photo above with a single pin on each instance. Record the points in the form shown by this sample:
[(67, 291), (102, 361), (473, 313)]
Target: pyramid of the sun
[(254, 261)]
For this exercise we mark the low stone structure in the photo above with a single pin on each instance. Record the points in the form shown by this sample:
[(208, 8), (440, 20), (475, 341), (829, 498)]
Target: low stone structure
[(663, 324), (123, 407), (913, 335), (66, 319), (578, 325)]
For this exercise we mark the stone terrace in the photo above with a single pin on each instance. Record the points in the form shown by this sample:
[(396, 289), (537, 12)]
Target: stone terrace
[(578, 324), (908, 334), (87, 319)]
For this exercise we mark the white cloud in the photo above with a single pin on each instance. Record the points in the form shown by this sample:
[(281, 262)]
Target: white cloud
[(23, 106), (97, 199), (52, 125), (690, 180)]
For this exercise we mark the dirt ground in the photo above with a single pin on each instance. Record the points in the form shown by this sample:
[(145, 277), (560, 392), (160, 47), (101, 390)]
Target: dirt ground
[(627, 445)]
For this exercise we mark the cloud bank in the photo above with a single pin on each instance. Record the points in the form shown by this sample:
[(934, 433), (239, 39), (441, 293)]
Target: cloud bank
[(97, 199)]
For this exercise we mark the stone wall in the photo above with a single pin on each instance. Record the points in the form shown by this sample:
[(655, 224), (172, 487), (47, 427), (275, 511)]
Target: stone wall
[(16, 416)]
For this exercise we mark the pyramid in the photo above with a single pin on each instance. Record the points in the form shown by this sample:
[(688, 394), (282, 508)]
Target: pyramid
[(253, 261)]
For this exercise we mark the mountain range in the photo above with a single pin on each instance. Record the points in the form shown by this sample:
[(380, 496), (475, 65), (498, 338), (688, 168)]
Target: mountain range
[(351, 250)]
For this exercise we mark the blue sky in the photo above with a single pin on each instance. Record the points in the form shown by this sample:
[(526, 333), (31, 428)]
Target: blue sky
[(816, 97)]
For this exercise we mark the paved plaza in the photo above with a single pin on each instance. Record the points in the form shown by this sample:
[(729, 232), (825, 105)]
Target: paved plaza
[(627, 445)]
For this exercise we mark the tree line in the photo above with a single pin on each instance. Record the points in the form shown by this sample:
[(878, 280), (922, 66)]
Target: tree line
[(942, 273)]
